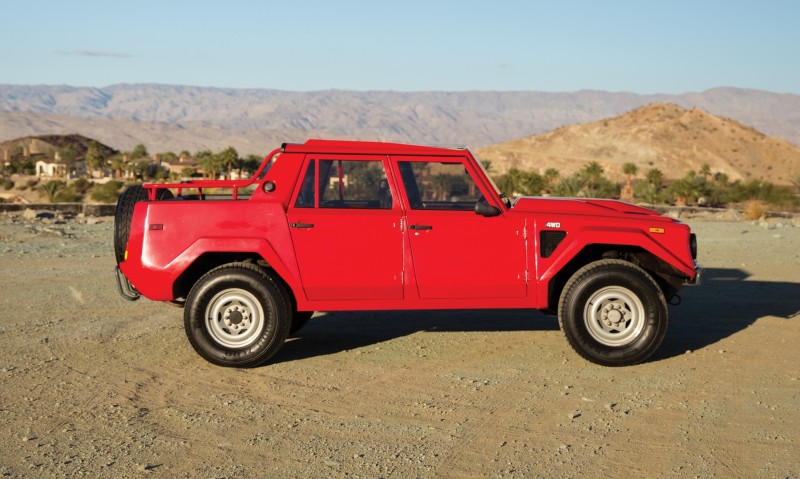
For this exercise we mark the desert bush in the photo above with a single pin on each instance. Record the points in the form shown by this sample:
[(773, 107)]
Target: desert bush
[(763, 191), (754, 209), (8, 184), (33, 182)]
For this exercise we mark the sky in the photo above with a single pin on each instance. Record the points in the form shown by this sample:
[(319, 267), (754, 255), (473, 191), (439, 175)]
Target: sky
[(640, 46)]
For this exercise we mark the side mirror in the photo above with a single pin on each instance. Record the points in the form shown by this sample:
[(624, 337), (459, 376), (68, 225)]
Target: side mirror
[(485, 209)]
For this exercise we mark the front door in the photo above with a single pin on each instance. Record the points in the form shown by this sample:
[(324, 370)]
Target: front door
[(345, 226), (456, 252)]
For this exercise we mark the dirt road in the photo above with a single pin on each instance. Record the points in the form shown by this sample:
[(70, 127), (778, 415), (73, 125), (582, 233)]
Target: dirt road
[(93, 386)]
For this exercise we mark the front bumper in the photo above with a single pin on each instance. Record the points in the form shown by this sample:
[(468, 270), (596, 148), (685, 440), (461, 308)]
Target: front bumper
[(698, 273)]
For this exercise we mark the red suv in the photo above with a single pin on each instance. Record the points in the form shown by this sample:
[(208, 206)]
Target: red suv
[(345, 226)]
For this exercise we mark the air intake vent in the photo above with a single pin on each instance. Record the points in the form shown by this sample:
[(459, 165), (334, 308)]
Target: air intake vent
[(550, 240)]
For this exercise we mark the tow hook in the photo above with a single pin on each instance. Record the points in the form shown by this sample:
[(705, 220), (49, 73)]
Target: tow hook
[(125, 288)]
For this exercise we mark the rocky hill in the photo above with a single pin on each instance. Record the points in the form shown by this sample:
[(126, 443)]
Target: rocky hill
[(664, 136), (182, 117)]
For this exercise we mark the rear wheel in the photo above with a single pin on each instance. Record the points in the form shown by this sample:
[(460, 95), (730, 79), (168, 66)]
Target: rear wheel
[(613, 313), (237, 315)]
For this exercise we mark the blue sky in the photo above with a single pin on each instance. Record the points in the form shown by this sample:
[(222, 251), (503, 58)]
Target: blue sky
[(638, 46)]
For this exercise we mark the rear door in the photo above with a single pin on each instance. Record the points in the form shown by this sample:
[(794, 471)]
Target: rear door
[(345, 226), (456, 252)]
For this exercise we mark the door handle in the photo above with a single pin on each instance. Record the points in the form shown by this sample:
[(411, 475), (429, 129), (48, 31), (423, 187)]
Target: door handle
[(302, 225), (420, 227)]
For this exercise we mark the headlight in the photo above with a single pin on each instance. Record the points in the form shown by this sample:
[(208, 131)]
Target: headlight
[(693, 245)]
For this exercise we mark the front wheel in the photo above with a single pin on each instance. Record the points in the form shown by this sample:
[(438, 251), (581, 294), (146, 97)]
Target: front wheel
[(237, 315), (613, 313)]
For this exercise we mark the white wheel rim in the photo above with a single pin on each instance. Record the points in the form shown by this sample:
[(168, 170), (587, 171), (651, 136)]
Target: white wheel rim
[(614, 316), (234, 318)]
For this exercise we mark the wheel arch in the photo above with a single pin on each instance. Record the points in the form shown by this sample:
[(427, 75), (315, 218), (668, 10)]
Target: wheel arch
[(665, 275), (211, 260)]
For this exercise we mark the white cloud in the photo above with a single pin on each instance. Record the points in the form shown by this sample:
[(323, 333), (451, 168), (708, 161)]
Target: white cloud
[(93, 53)]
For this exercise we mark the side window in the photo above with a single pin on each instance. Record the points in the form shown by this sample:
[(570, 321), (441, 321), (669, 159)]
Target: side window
[(305, 199), (439, 186), (353, 184)]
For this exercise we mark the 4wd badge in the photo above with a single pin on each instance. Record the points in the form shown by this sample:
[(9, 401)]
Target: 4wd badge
[(553, 224)]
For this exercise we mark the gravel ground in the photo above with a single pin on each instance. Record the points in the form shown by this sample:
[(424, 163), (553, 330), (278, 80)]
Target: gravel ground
[(94, 386)]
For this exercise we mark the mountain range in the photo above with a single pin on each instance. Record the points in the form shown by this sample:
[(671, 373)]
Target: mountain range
[(167, 117)]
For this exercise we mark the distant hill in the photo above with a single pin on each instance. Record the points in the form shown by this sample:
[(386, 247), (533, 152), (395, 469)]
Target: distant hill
[(48, 144), (254, 121), (157, 137), (664, 136)]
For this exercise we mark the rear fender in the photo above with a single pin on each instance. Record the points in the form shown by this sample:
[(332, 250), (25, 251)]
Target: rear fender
[(156, 281)]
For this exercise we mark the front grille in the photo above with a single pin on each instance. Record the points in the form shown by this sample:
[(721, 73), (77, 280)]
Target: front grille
[(549, 241)]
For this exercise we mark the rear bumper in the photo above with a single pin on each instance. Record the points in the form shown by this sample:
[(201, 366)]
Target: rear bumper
[(125, 288)]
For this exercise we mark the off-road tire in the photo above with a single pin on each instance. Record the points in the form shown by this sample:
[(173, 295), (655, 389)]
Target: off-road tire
[(237, 315), (124, 212), (613, 313)]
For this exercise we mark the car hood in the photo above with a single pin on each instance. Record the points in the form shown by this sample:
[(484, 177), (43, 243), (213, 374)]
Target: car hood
[(592, 207)]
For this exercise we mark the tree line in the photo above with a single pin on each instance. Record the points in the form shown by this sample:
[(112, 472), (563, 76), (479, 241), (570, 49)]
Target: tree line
[(703, 187)]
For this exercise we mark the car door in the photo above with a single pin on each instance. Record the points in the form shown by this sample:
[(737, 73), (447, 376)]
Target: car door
[(345, 227), (456, 252)]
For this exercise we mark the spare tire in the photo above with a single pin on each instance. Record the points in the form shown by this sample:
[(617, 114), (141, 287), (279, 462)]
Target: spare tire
[(124, 212)]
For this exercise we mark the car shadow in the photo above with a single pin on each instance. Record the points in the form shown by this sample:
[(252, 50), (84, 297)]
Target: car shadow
[(331, 333), (726, 303)]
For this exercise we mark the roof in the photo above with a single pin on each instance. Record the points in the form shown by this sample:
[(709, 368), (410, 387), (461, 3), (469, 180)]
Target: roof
[(367, 148)]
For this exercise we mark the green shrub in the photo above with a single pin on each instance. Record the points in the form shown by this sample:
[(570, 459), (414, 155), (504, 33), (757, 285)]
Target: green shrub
[(107, 192), (8, 184), (81, 185), (68, 195)]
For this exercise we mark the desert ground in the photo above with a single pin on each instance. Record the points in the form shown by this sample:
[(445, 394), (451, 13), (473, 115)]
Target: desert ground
[(94, 386)]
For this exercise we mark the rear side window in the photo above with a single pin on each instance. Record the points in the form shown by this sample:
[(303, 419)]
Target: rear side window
[(439, 186), (353, 184)]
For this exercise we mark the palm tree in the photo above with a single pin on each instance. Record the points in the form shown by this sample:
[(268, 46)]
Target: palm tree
[(94, 159), (630, 170), (139, 151), (208, 161), (228, 158), (592, 172), (117, 164), (51, 189), (705, 170), (570, 186), (655, 177), (550, 175)]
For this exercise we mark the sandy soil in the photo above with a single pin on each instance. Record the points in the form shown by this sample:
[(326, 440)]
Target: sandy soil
[(94, 386)]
